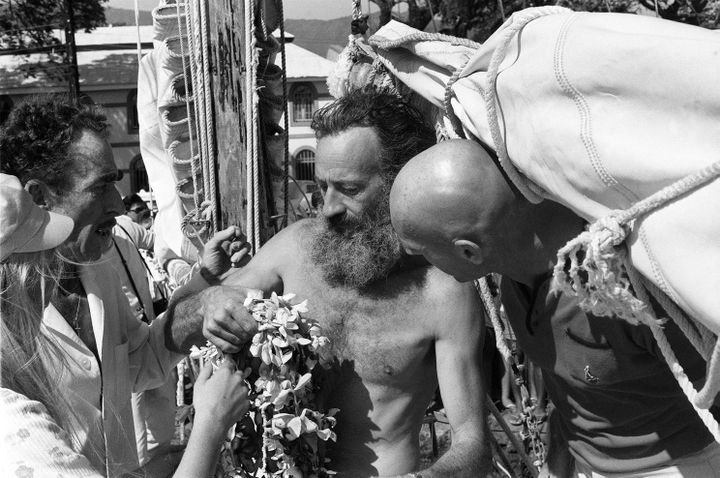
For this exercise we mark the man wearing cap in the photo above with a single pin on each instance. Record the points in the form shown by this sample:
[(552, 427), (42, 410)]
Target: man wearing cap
[(61, 156)]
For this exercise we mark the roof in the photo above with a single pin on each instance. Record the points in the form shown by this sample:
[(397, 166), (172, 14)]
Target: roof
[(302, 63), (116, 65)]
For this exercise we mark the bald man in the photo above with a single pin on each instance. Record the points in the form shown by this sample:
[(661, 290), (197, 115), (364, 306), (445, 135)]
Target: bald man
[(619, 410)]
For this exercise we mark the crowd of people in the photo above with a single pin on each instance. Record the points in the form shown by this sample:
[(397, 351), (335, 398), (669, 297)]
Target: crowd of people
[(88, 349)]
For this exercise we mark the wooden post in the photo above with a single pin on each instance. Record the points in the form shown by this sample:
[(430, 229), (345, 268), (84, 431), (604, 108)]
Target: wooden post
[(226, 18)]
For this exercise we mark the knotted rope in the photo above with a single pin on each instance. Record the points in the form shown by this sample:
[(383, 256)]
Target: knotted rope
[(600, 274)]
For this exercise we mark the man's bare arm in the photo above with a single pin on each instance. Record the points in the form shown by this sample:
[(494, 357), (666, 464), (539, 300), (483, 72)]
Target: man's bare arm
[(198, 312), (458, 350)]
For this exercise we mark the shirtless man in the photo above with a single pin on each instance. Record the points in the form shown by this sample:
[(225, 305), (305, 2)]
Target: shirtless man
[(397, 326), (618, 409)]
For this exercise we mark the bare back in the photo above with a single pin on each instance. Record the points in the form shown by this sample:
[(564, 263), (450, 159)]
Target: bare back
[(380, 369)]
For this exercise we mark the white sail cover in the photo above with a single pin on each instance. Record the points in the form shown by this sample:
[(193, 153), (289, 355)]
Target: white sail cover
[(597, 111)]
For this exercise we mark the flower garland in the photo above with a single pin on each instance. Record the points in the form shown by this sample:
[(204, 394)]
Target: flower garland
[(282, 419)]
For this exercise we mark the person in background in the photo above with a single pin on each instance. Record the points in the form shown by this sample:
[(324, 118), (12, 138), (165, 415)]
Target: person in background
[(137, 210), (41, 433)]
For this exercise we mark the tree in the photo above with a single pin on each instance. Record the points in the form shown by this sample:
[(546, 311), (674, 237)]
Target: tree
[(478, 19), (31, 26)]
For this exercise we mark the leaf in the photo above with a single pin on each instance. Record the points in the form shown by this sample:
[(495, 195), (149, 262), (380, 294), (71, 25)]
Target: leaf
[(282, 399), (266, 355), (286, 357), (301, 307), (303, 341), (278, 342), (326, 434), (280, 420), (304, 380), (295, 427)]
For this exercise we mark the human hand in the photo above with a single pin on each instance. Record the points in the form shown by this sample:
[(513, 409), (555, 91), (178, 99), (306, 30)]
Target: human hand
[(221, 395), (227, 248), (226, 321)]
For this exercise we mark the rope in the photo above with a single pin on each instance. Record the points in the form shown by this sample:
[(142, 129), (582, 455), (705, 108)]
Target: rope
[(699, 336), (286, 120), (447, 102), (606, 289), (195, 158), (713, 382), (491, 103), (491, 308), (252, 217), (208, 119), (356, 10), (387, 44), (199, 90)]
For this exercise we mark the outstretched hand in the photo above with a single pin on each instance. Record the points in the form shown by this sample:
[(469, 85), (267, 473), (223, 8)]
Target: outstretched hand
[(226, 321)]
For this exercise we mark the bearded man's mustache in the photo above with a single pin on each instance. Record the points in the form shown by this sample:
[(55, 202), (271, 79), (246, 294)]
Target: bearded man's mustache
[(355, 252)]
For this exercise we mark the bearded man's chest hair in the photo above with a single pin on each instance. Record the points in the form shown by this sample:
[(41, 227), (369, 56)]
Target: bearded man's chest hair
[(384, 337)]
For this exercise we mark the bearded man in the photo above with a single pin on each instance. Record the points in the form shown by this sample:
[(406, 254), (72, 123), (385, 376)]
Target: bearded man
[(397, 326)]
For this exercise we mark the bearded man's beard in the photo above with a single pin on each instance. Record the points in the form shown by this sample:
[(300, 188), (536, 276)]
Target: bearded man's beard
[(356, 252)]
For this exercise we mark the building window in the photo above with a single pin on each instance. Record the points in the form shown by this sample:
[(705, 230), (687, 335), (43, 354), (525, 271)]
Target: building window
[(138, 175), (303, 100), (133, 125), (6, 105), (305, 165)]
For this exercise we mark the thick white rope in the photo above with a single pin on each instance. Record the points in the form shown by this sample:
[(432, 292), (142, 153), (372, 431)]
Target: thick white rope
[(256, 141), (675, 367), (595, 253), (195, 164), (606, 289), (699, 336), (249, 30), (199, 90), (492, 309)]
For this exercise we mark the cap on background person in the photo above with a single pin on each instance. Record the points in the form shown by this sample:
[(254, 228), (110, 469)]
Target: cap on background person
[(24, 226)]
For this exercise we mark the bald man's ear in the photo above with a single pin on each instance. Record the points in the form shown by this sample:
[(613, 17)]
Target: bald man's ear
[(468, 250)]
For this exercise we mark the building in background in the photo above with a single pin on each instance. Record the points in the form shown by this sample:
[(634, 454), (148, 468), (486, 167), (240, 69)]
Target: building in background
[(107, 62)]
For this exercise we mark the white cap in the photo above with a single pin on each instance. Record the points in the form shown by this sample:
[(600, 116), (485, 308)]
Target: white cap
[(24, 226)]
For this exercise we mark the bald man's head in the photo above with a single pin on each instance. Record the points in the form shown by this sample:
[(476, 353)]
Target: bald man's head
[(449, 203)]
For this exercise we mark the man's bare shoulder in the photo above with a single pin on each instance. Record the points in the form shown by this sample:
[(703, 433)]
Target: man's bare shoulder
[(440, 284), (291, 240), (455, 305)]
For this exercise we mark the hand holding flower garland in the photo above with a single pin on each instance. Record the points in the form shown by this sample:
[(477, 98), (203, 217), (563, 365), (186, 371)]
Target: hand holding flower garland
[(282, 403)]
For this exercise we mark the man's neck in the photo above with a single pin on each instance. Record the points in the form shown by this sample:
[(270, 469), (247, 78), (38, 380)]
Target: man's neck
[(551, 226), (71, 283)]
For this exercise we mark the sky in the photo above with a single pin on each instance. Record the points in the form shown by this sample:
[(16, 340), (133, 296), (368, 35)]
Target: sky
[(296, 9)]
